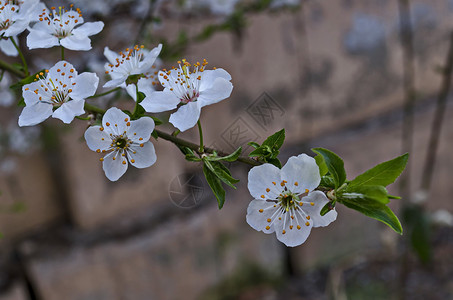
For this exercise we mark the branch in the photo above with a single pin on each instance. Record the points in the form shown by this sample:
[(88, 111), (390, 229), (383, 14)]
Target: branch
[(10, 68)]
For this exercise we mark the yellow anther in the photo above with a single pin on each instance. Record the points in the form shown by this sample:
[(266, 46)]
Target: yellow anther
[(124, 162), (308, 223), (101, 129), (268, 190), (269, 220), (132, 160), (296, 183), (292, 217), (273, 182), (141, 145), (306, 191), (312, 204), (101, 159), (98, 150), (268, 227), (298, 226), (261, 210), (290, 226), (284, 231), (262, 196), (308, 217)]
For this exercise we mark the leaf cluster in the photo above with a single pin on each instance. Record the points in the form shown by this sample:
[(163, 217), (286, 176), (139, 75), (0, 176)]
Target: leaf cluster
[(268, 151), (367, 192)]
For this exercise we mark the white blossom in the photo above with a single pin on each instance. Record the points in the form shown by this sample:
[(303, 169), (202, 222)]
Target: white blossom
[(15, 16), (60, 88), (62, 27), (122, 140), (190, 90), (133, 61), (285, 200)]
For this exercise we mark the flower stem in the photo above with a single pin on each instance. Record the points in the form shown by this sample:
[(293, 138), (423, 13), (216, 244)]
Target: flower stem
[(94, 109), (7, 67), (22, 58), (105, 93), (200, 131), (62, 52)]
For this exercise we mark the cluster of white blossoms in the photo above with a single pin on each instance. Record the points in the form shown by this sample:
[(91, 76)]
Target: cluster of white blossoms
[(286, 201)]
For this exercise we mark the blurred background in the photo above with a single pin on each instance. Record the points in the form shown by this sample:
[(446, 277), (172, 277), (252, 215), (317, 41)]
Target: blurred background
[(367, 79)]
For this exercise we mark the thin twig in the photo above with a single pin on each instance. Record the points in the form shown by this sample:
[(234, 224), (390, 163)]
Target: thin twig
[(439, 114)]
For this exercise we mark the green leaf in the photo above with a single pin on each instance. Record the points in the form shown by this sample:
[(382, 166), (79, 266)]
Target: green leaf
[(276, 140), (382, 174), (253, 144), (367, 193), (261, 151), (321, 164), (154, 134), (232, 157), (21, 102), (157, 121), (327, 181), (275, 161), (215, 185), (221, 172), (328, 207), (379, 212), (334, 164), (26, 80)]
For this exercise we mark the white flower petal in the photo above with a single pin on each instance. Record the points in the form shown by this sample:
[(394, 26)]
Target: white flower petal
[(28, 92), (114, 165), (85, 85), (303, 170), (209, 76), (318, 199), (35, 114), (159, 101), (57, 71), (115, 82), (287, 229), (186, 116), (263, 177), (145, 85), (89, 28), (97, 139), (8, 48), (220, 90), (18, 27), (258, 213), (68, 110), (76, 43), (40, 39), (140, 130), (149, 60), (110, 55), (131, 89), (114, 121), (144, 156)]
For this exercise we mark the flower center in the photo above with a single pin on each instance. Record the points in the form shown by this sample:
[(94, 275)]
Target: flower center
[(62, 21), (184, 82), (128, 60), (7, 13), (121, 142), (288, 200)]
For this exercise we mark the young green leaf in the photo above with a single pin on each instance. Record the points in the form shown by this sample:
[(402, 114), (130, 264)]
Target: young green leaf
[(326, 208), (321, 164), (275, 161), (276, 140), (221, 172), (379, 212), (232, 157), (215, 185), (382, 174), (253, 144), (365, 194), (334, 164)]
